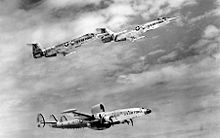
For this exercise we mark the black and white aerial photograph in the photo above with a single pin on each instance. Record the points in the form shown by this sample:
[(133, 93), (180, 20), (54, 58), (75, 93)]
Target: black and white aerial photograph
[(110, 68)]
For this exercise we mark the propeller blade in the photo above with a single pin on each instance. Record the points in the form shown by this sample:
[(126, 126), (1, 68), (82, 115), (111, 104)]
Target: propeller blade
[(126, 121), (110, 118), (132, 123)]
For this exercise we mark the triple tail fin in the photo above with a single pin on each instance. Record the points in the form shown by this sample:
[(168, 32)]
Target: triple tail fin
[(40, 120), (63, 118), (53, 117)]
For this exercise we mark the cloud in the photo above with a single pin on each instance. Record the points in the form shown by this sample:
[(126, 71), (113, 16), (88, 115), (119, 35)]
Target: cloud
[(29, 4), (156, 52), (66, 3), (200, 17), (169, 73), (204, 46), (217, 10), (169, 57), (83, 26), (159, 8), (209, 44), (8, 7), (211, 31), (125, 9)]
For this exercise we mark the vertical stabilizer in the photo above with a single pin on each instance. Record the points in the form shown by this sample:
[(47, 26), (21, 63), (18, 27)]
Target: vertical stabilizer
[(37, 51), (53, 117)]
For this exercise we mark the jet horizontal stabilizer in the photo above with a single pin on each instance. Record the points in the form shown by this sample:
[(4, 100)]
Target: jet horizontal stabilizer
[(36, 50)]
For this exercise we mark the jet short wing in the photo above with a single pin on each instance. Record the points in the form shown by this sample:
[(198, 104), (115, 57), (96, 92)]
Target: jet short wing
[(134, 35)]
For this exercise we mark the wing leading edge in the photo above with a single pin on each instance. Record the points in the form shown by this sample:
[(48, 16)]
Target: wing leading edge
[(74, 111)]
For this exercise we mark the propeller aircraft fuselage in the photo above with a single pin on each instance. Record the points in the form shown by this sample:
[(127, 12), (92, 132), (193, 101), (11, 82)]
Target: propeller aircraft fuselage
[(98, 120)]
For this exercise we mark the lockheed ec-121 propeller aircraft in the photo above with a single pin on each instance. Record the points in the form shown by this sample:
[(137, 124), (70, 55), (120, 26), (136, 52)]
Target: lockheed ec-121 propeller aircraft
[(64, 49), (107, 35), (98, 120)]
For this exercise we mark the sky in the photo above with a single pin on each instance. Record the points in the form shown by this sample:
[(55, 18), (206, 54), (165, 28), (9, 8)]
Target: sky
[(175, 71)]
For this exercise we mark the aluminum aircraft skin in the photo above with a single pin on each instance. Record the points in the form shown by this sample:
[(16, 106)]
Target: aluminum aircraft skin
[(107, 35), (99, 119), (64, 49)]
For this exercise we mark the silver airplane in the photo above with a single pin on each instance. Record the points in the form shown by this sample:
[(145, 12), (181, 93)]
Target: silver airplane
[(107, 35), (64, 49), (98, 120)]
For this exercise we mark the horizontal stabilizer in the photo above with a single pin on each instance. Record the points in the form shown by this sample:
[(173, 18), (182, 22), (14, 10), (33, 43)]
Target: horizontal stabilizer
[(36, 50), (63, 118), (53, 117), (69, 111)]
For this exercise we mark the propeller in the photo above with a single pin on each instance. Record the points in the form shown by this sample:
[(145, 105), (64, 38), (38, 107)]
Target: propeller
[(132, 123), (63, 118), (126, 121), (106, 119), (102, 119), (110, 119)]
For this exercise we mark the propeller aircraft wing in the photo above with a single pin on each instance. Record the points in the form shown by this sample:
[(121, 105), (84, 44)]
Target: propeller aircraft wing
[(74, 111)]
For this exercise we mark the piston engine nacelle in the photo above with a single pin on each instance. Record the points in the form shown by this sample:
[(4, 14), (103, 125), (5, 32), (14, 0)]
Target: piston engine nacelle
[(69, 123), (98, 109)]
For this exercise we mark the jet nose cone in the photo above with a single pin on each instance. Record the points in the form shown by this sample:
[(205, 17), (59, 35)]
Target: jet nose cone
[(148, 111)]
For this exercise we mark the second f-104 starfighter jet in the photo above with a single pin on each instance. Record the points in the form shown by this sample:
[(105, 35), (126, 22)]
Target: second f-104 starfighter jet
[(107, 35), (64, 49)]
